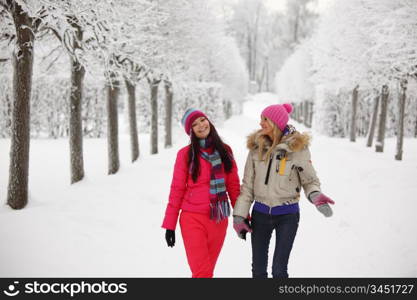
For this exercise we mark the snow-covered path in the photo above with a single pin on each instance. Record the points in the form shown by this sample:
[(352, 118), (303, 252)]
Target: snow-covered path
[(109, 226)]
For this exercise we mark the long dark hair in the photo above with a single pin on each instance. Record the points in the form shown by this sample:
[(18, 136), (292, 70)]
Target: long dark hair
[(194, 152)]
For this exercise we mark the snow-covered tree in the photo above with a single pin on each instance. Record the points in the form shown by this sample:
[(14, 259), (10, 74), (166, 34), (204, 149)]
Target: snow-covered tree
[(266, 38), (370, 44), (292, 83), (87, 51), (31, 18)]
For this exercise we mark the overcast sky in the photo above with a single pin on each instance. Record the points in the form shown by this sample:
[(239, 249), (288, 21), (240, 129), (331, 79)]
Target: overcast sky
[(278, 5)]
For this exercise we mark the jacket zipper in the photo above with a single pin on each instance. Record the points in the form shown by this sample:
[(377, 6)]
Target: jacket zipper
[(269, 169)]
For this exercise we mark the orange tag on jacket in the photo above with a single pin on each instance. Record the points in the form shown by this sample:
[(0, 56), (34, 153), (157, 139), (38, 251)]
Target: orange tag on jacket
[(282, 164)]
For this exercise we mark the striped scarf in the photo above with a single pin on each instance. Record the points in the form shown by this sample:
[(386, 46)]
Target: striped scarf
[(219, 204)]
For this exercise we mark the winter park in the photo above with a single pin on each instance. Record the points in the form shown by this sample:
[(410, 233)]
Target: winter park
[(94, 116)]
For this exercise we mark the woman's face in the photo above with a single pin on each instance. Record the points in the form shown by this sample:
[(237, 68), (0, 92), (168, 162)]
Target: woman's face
[(201, 127), (267, 129)]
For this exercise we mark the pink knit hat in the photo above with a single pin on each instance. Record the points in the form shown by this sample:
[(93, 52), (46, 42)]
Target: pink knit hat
[(189, 117), (279, 114)]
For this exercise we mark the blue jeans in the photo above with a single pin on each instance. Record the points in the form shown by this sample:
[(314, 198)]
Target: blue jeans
[(285, 230)]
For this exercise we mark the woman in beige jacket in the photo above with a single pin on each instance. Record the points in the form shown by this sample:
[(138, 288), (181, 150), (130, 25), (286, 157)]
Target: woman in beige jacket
[(277, 167)]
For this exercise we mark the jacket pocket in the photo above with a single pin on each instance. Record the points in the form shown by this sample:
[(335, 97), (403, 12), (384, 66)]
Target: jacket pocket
[(288, 181), (259, 186)]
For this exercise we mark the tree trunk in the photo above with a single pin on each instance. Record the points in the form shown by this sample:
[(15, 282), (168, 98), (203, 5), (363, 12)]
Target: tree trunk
[(372, 126), (401, 113), (112, 127), (353, 116), (133, 127), (255, 45), (17, 193), (306, 113), (154, 116), (295, 114), (302, 112), (310, 116), (249, 53), (87, 117), (294, 111), (382, 119), (415, 128), (299, 111), (227, 109), (8, 117), (75, 128), (168, 114), (296, 24)]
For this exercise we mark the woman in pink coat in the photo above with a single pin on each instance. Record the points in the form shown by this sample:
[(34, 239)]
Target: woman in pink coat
[(205, 176)]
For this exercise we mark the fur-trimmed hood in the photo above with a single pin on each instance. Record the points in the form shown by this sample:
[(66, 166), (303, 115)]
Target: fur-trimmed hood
[(293, 142)]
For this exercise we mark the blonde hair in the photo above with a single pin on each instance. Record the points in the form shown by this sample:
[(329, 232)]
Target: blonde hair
[(277, 135)]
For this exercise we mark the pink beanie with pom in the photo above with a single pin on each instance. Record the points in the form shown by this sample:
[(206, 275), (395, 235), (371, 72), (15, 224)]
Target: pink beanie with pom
[(279, 114)]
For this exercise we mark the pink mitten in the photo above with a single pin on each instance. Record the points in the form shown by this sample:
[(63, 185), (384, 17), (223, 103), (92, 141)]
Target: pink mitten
[(241, 226), (321, 201)]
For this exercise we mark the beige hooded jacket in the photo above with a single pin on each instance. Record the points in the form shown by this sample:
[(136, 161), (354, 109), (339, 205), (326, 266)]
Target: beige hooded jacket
[(286, 177)]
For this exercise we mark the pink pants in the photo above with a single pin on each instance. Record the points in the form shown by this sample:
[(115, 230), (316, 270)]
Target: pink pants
[(203, 239)]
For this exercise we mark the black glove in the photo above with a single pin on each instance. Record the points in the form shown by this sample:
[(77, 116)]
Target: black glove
[(170, 237)]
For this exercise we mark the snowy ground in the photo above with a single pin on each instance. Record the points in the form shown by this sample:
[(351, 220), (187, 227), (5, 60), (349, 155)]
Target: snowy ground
[(109, 226)]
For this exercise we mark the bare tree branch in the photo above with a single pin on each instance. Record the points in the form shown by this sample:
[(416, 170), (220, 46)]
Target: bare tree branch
[(7, 4), (37, 22), (55, 33), (51, 52), (53, 61)]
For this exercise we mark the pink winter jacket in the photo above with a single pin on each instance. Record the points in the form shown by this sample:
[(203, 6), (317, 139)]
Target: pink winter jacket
[(193, 196)]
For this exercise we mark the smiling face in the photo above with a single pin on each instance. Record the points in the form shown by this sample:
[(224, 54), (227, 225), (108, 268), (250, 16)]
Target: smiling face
[(267, 129), (201, 127)]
